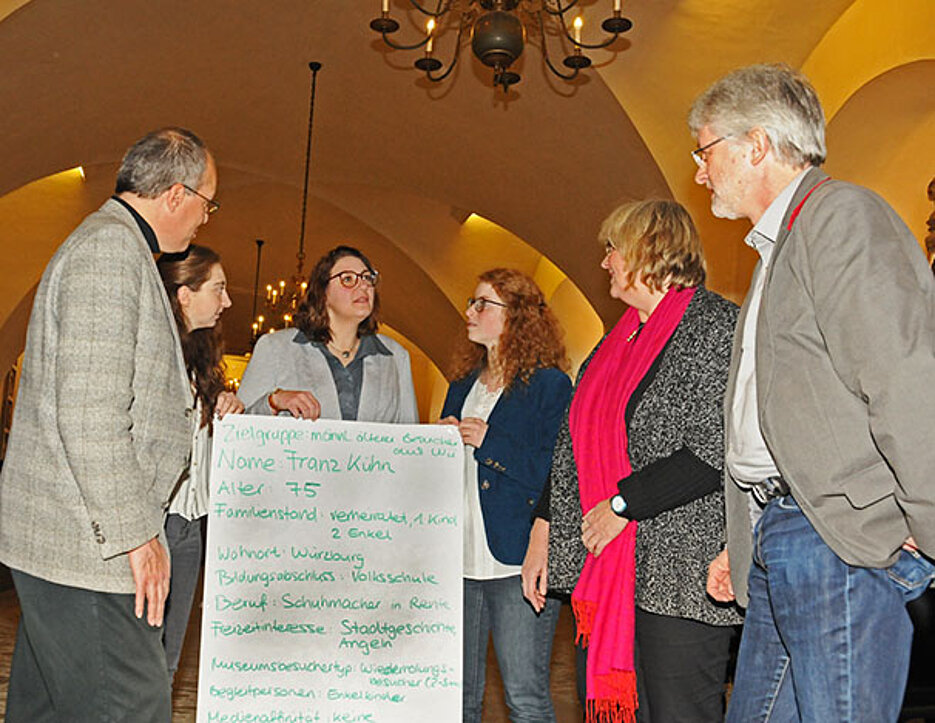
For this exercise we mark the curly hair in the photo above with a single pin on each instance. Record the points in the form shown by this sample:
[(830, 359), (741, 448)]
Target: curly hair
[(202, 349), (531, 339), (658, 242), (312, 315)]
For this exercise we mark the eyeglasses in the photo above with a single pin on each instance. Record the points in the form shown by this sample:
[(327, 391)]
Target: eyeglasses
[(700, 155), (350, 279), (481, 303), (211, 206)]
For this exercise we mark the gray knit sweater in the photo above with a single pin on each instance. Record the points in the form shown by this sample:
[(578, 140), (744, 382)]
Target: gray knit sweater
[(681, 407)]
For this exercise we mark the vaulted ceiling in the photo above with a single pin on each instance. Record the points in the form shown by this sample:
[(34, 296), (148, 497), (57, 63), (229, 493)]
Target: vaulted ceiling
[(435, 182)]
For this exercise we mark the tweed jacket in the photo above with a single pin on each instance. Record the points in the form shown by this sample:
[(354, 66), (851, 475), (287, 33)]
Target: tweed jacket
[(104, 412), (513, 460), (845, 371), (285, 360), (680, 407)]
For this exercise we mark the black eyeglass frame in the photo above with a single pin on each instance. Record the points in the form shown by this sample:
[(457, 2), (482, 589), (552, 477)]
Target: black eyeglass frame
[(211, 205), (482, 302), (700, 154)]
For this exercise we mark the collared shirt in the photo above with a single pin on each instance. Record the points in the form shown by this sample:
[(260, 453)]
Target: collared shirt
[(190, 499), (747, 455), (147, 230), (349, 379)]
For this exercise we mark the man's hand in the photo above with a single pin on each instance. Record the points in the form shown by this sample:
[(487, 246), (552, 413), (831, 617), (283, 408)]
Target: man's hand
[(227, 403), (300, 404), (535, 573), (149, 564), (601, 525), (910, 545), (719, 585)]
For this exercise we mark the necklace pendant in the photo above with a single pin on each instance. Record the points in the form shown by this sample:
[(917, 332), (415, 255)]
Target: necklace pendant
[(345, 354)]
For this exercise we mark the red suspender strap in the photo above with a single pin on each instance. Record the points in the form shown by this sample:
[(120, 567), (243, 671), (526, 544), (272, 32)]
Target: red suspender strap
[(795, 211)]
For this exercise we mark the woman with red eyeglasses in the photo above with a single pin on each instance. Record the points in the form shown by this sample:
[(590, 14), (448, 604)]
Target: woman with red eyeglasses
[(333, 364)]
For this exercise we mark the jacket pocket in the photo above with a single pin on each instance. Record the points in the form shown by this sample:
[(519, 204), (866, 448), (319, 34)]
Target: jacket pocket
[(868, 486)]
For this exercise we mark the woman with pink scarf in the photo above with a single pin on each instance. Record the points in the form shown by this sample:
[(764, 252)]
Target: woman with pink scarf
[(634, 508)]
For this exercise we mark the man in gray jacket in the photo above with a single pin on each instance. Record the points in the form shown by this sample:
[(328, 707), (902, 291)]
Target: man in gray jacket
[(829, 408), (101, 433)]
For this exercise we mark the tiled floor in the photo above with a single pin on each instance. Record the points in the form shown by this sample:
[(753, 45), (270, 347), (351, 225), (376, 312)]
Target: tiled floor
[(186, 682)]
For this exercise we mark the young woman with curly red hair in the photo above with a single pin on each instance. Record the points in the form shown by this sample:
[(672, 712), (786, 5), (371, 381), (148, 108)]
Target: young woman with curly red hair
[(508, 400)]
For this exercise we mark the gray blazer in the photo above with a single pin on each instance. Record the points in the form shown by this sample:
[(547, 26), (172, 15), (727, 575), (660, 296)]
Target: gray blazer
[(103, 420), (845, 365), (281, 362)]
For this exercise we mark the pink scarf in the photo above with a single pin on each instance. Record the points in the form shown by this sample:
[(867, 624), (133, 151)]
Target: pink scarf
[(603, 598)]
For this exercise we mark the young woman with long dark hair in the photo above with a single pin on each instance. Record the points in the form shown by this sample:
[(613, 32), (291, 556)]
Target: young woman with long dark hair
[(197, 290)]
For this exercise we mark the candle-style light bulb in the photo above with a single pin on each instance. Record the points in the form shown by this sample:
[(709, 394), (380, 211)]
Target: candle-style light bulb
[(616, 6), (429, 29), (578, 23), (386, 6)]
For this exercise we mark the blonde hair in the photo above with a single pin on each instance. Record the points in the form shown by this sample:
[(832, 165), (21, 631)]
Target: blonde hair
[(658, 242)]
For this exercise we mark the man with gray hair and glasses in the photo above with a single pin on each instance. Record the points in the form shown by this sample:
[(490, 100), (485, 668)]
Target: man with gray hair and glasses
[(101, 432), (828, 412)]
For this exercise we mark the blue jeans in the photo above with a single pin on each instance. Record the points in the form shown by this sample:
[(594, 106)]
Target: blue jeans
[(522, 641), (823, 640)]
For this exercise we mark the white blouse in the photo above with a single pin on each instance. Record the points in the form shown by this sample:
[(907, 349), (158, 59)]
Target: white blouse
[(479, 562), (191, 495)]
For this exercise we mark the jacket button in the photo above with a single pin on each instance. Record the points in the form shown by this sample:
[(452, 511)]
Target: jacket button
[(188, 412), (485, 485)]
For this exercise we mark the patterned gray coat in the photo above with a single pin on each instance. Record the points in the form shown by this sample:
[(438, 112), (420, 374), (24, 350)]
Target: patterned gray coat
[(104, 413), (681, 407)]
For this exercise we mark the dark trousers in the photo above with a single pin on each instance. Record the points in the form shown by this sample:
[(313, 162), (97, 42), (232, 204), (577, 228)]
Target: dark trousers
[(681, 669), (186, 548), (84, 656)]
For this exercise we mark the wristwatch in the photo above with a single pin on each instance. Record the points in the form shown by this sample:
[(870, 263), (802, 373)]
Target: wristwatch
[(618, 504)]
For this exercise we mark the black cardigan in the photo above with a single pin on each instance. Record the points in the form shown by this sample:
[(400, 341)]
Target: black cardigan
[(669, 482)]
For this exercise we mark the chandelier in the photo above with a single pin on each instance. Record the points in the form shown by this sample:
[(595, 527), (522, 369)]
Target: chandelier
[(282, 298), (498, 30)]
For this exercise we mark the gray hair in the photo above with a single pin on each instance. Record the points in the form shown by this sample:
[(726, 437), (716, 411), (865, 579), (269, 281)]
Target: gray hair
[(773, 97), (161, 159)]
